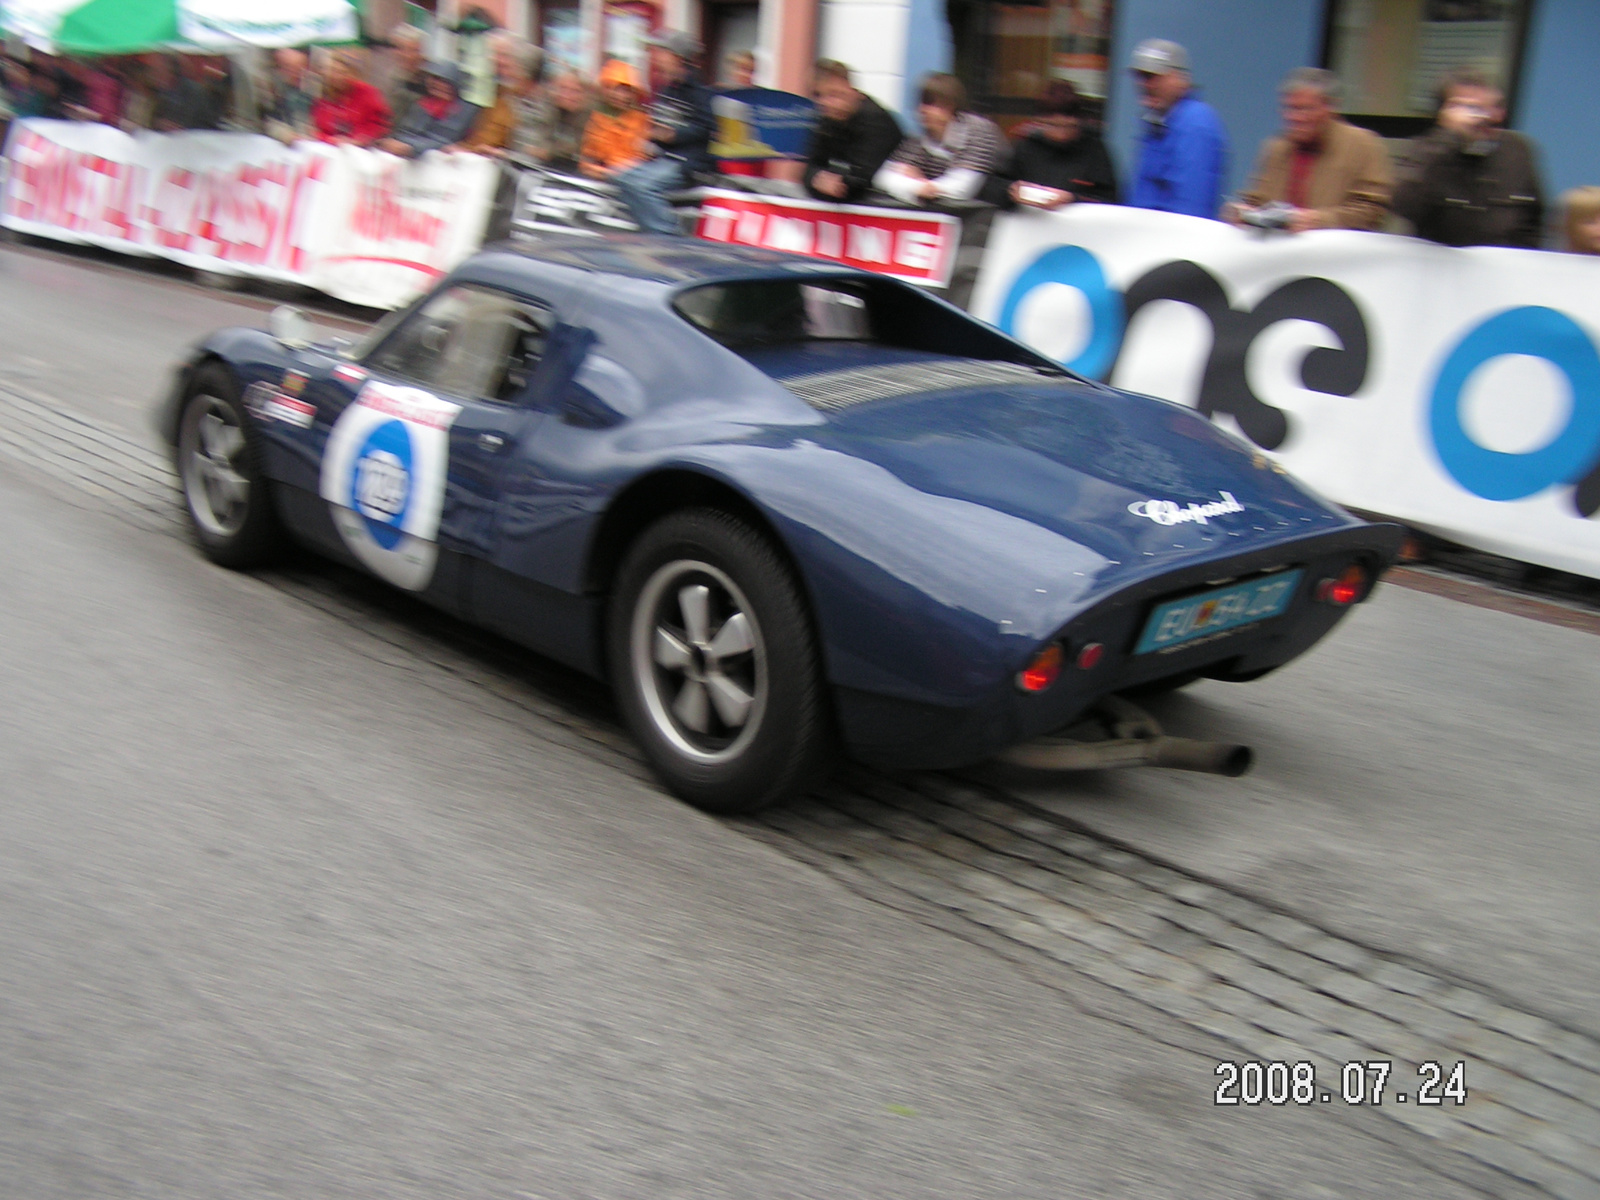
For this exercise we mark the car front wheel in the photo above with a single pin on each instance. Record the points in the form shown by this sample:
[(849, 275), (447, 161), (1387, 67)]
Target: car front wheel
[(224, 491), (716, 666)]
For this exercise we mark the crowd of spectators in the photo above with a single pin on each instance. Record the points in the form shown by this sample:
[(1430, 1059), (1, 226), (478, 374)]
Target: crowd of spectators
[(648, 136), (1467, 181), (148, 91)]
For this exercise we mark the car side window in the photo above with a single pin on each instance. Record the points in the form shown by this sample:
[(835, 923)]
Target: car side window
[(469, 341), (529, 331)]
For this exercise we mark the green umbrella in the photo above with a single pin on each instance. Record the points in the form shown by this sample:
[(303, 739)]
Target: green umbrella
[(134, 26)]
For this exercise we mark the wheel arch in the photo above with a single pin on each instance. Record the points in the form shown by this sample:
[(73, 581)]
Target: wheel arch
[(656, 495), (171, 412), (681, 491)]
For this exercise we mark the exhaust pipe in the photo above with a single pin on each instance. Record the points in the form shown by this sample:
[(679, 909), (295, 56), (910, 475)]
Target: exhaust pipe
[(1136, 741), (1213, 758)]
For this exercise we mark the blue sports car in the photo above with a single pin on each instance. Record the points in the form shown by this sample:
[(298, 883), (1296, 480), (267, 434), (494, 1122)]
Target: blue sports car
[(789, 509)]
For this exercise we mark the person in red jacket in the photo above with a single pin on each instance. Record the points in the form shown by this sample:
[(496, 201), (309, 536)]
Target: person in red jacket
[(351, 111)]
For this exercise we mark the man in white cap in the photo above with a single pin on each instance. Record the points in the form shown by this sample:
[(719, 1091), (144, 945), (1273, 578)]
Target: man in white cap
[(1184, 151)]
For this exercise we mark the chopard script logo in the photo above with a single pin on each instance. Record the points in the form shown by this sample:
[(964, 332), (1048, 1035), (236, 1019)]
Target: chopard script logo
[(1166, 512)]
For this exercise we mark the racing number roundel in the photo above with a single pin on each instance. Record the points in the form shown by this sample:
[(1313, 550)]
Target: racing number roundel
[(383, 476), (380, 482)]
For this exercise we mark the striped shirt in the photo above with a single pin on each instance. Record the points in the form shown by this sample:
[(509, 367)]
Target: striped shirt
[(959, 162)]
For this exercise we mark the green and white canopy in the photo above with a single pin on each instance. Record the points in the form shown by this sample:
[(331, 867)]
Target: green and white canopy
[(214, 26)]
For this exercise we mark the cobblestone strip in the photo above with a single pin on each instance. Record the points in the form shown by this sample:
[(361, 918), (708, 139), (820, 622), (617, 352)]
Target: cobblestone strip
[(1276, 987), (93, 459), (1270, 984)]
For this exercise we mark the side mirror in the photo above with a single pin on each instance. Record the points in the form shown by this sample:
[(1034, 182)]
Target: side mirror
[(288, 325)]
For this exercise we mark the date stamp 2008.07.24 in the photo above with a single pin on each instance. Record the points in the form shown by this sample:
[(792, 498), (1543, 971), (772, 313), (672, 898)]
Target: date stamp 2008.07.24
[(1373, 1082)]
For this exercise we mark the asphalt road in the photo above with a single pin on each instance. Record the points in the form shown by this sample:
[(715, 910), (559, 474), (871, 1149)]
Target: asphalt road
[(286, 910), (1425, 783), (101, 338)]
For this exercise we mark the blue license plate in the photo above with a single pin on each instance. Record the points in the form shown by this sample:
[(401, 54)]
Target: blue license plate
[(1179, 622)]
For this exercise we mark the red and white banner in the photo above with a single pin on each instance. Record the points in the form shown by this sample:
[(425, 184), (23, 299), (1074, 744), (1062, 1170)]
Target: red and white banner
[(393, 227), (914, 246), (362, 226)]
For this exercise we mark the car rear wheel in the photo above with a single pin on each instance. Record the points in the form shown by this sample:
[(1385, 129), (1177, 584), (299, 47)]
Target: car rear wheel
[(224, 490), (716, 666)]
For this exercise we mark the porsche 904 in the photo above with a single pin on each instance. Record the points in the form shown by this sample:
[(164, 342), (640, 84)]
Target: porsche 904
[(790, 510)]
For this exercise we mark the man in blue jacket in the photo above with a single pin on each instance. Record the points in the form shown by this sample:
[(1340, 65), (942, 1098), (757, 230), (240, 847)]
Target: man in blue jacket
[(1184, 151), (680, 132)]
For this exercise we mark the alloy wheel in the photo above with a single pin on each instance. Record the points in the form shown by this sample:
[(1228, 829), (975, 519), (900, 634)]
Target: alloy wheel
[(699, 661), (214, 466)]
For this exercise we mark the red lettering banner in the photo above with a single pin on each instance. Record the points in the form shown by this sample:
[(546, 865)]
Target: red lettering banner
[(915, 246), (366, 227)]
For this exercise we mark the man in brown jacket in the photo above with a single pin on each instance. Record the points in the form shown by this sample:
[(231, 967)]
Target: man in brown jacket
[(1322, 172)]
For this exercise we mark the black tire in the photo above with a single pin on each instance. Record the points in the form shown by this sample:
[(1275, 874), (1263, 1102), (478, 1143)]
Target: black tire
[(679, 677), (225, 493)]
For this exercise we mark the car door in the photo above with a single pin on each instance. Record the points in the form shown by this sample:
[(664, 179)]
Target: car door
[(411, 466)]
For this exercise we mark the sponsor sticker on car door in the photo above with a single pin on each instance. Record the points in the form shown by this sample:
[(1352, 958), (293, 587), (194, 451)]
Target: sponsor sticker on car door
[(383, 476)]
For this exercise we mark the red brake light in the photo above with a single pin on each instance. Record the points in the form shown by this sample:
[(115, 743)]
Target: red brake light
[(1345, 590), (1044, 670), (1089, 657)]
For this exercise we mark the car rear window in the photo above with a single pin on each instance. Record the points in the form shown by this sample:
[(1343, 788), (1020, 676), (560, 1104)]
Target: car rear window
[(778, 312), (750, 316)]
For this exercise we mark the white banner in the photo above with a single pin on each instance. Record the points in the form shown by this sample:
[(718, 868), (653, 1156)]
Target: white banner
[(395, 226), (35, 21), (1455, 390), (228, 24), (362, 226)]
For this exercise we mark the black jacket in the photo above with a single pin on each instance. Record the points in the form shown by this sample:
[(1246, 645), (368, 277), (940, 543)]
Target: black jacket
[(190, 104), (853, 149), (685, 108), (1472, 195), (1080, 166), (423, 132)]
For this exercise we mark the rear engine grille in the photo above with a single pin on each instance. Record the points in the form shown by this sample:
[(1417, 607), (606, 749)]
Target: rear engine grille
[(832, 390)]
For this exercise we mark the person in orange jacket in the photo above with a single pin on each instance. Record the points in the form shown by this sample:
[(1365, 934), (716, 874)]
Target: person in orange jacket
[(618, 132)]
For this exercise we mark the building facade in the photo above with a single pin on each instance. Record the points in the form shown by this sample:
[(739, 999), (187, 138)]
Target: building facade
[(783, 34), (1389, 53)]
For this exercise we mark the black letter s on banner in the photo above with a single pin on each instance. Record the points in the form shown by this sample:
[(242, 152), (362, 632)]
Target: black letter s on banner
[(1225, 387)]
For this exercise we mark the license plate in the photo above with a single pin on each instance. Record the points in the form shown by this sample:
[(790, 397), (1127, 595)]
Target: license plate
[(1179, 622)]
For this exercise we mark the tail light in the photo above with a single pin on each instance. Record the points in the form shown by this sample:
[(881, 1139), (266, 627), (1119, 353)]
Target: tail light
[(1343, 591), (1044, 670)]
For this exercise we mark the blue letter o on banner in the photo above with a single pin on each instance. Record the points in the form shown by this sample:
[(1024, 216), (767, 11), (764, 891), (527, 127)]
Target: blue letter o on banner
[(1075, 267), (1494, 475)]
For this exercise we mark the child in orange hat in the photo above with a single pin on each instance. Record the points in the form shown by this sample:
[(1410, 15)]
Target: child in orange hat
[(618, 134)]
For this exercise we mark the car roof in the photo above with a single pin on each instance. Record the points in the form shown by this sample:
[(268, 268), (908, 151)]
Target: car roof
[(670, 261)]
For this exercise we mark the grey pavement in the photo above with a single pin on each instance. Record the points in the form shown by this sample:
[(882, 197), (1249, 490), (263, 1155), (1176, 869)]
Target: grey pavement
[(103, 337), (1425, 783), (285, 913), (239, 795)]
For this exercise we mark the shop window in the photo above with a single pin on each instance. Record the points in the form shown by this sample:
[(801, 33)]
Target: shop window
[(628, 26), (1009, 54), (562, 39), (1392, 54), (728, 27)]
